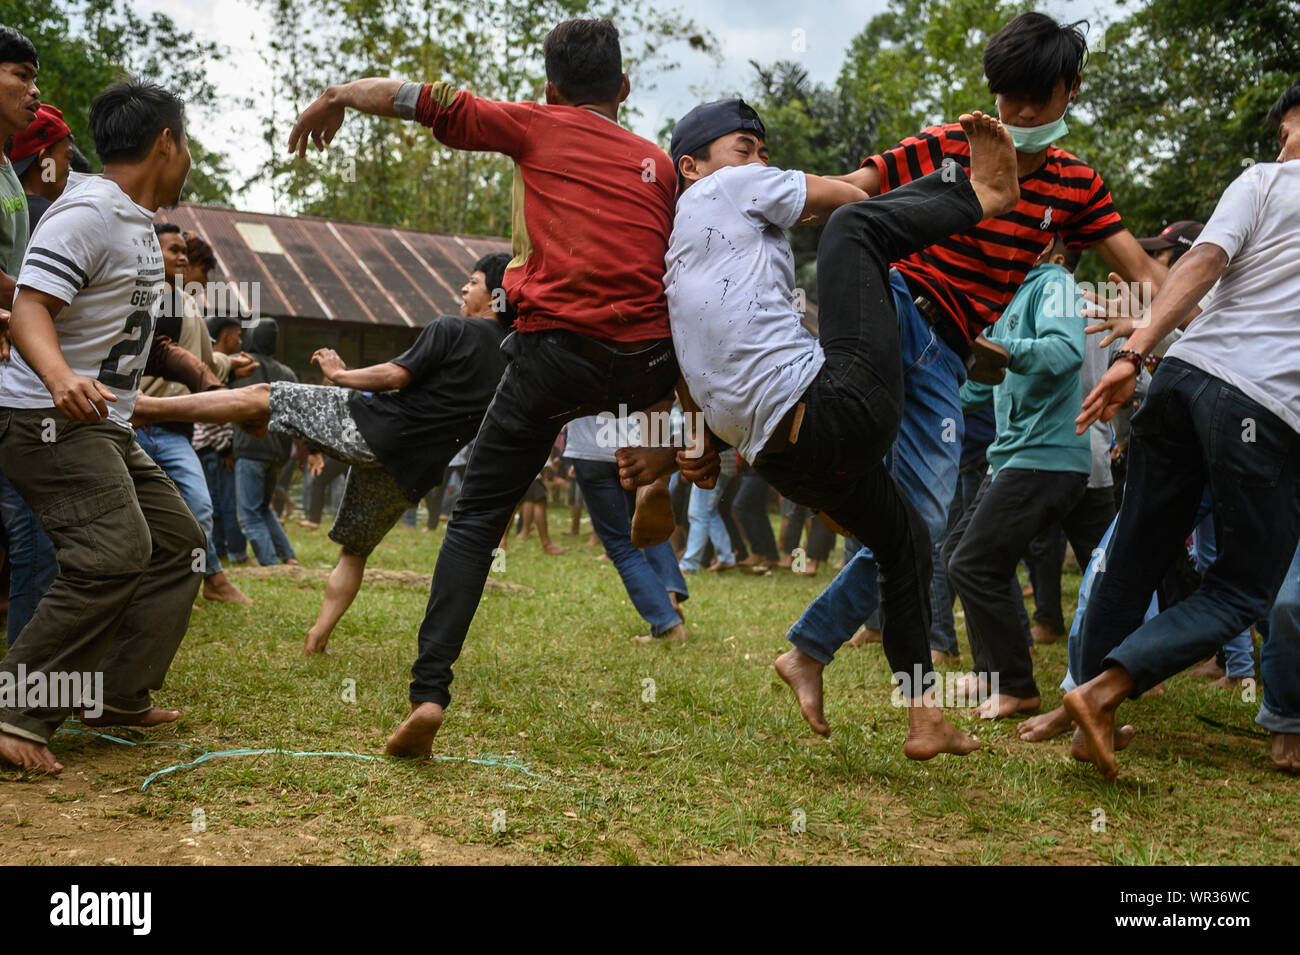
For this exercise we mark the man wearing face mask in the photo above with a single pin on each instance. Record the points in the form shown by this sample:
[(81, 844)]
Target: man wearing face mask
[(946, 294)]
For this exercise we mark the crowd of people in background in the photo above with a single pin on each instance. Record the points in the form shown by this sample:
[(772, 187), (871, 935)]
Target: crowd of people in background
[(960, 407)]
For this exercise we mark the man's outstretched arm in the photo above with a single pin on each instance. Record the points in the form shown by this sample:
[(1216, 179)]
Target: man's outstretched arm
[(387, 376), (824, 195)]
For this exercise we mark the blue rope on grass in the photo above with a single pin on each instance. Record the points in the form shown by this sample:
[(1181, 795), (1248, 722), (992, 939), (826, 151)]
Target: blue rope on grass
[(488, 760)]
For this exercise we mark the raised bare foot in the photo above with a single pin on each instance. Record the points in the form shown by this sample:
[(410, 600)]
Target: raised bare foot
[(1092, 708), (219, 587), (675, 634), (1285, 750), (803, 674), (929, 734), (414, 738), (864, 636), (150, 717), (1001, 705), (1045, 633), (551, 548), (992, 163), (1044, 726), (652, 521), (26, 754), (638, 467), (944, 658)]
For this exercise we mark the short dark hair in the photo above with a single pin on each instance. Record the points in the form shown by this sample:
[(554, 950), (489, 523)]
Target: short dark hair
[(1288, 101), (127, 118), (161, 229), (199, 251), (16, 48), (584, 60), (493, 266), (1031, 53)]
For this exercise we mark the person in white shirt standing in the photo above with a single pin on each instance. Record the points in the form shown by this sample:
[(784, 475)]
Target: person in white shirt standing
[(82, 330), (1223, 409)]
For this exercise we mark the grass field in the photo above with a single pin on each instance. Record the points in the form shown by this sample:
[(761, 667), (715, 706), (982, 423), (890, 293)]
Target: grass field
[(717, 767)]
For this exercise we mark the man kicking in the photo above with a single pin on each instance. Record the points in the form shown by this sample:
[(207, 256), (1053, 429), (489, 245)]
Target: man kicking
[(815, 416), (1224, 409), (422, 407)]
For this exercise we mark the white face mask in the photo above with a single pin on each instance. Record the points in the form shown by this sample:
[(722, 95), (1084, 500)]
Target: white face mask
[(1034, 139)]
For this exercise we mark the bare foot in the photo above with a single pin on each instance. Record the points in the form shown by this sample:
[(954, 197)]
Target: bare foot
[(803, 674), (1092, 707), (316, 644), (970, 686), (810, 568), (1079, 746), (292, 562), (414, 738), (638, 467), (652, 522), (1001, 705), (593, 540), (864, 636), (675, 634), (551, 548), (992, 163), (1157, 690), (218, 587), (1208, 667), (1044, 726), (1224, 682), (1285, 750), (310, 525), (943, 658), (150, 717), (1045, 633), (26, 754), (929, 734)]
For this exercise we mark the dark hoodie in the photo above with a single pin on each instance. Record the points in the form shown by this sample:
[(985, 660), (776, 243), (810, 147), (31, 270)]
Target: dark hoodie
[(259, 341)]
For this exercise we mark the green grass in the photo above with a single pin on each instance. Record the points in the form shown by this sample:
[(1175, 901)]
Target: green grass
[(712, 770)]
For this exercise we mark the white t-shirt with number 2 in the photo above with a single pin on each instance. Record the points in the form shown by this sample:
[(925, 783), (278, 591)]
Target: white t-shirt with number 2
[(96, 250)]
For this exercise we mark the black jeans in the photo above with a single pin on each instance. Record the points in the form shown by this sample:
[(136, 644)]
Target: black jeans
[(1084, 527), (1194, 429), (982, 552), (854, 405), (751, 510), (552, 378)]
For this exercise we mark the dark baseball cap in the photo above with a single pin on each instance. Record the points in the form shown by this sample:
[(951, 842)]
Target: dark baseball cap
[(705, 123), (45, 130), (1177, 235)]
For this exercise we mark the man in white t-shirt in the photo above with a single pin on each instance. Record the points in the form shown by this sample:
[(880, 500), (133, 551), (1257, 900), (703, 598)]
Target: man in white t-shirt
[(129, 550), (816, 415), (1224, 409)]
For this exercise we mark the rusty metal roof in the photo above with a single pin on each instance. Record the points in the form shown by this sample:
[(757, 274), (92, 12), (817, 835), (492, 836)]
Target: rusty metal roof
[(322, 269)]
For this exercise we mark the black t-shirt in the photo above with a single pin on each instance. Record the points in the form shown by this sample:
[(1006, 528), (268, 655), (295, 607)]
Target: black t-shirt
[(455, 365)]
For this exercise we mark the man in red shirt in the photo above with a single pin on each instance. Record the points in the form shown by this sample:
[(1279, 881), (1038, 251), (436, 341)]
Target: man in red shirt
[(946, 294), (593, 209)]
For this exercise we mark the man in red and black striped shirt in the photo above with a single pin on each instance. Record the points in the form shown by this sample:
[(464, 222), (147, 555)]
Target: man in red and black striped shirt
[(946, 294)]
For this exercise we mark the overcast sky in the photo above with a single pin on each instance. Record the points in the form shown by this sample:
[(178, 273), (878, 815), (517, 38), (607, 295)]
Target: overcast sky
[(762, 30)]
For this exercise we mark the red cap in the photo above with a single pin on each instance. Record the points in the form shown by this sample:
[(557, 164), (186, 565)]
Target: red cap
[(45, 130)]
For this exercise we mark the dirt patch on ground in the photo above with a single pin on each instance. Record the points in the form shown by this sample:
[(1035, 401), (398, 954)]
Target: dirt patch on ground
[(404, 578)]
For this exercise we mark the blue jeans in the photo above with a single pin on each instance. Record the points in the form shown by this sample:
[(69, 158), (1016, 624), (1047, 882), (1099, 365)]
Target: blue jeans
[(226, 535), (1279, 661), (176, 456), (1239, 652), (923, 460), (255, 483), (33, 566), (706, 525), (648, 575), (1191, 431)]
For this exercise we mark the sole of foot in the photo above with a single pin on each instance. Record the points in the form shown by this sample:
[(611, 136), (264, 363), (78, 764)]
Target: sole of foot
[(414, 738), (802, 674), (1045, 726), (652, 522), (28, 755), (929, 734), (992, 163), (150, 717)]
